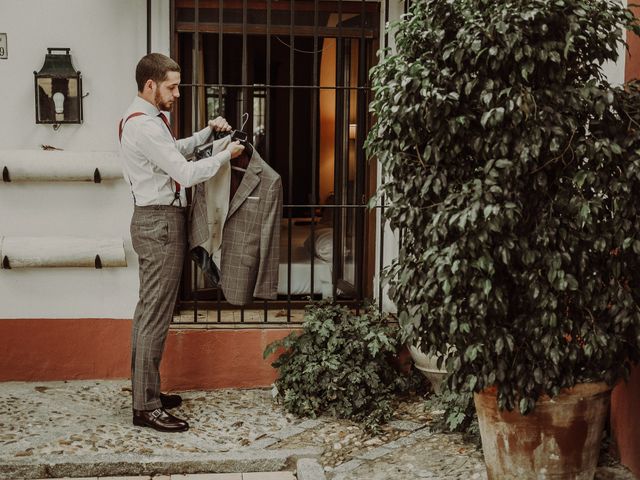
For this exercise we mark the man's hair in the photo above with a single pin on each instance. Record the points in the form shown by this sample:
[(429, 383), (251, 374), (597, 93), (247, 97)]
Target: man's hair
[(154, 66)]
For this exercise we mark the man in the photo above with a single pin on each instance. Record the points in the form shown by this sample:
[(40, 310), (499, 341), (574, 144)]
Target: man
[(155, 166)]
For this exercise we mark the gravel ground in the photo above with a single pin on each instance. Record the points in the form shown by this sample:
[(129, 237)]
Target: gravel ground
[(81, 417), (407, 448), (76, 419)]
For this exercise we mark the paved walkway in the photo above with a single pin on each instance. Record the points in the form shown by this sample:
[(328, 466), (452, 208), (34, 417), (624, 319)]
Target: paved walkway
[(83, 429), (207, 476)]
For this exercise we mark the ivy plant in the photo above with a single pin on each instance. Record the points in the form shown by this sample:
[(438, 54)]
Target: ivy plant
[(340, 364), (512, 168)]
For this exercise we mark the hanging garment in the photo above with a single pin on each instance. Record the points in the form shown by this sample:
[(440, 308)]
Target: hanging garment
[(214, 192), (211, 202), (250, 233)]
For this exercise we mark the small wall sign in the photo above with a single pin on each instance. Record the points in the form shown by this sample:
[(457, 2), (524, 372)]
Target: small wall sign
[(4, 53)]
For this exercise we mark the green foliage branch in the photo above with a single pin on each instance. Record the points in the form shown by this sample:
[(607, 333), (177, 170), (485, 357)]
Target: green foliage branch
[(340, 364), (454, 412), (513, 169)]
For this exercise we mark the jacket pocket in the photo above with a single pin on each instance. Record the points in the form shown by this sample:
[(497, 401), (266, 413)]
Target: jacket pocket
[(249, 260), (250, 210)]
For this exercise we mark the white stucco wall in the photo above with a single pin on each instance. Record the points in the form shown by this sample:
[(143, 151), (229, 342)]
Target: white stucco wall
[(615, 71), (390, 244), (107, 38)]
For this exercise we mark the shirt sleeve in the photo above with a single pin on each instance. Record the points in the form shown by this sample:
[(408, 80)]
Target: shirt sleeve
[(159, 149), (187, 145)]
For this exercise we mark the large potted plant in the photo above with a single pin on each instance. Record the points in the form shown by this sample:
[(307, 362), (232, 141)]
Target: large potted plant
[(513, 169)]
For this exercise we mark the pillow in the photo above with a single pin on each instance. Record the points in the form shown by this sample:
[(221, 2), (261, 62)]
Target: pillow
[(323, 244)]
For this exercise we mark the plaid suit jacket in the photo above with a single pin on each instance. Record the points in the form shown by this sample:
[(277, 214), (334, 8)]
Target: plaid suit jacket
[(251, 236)]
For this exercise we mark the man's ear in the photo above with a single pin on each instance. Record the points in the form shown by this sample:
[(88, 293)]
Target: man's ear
[(149, 84)]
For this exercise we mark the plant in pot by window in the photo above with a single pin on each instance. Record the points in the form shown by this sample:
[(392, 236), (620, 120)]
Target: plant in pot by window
[(513, 169), (431, 366)]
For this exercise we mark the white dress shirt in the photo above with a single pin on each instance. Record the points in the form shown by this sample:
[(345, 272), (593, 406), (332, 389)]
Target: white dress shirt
[(151, 157)]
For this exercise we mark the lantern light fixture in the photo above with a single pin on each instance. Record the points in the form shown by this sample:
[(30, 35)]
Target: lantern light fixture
[(58, 90)]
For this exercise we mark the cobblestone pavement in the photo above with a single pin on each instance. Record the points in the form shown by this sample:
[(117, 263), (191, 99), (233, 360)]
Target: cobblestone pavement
[(206, 476), (83, 428)]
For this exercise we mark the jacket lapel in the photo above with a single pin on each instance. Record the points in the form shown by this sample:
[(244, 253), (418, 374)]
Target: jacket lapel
[(250, 181)]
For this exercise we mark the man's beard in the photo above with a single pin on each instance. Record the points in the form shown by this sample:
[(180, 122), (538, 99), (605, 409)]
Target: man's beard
[(162, 105)]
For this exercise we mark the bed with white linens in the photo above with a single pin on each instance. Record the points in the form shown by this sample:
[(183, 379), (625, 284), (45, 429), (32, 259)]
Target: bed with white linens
[(301, 249)]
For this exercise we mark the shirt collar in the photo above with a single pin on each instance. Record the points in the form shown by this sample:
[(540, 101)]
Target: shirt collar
[(141, 105)]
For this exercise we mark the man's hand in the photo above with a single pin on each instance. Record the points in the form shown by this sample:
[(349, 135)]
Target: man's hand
[(219, 124), (235, 149)]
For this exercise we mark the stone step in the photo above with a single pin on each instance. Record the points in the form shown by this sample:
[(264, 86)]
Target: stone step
[(202, 476), (109, 465)]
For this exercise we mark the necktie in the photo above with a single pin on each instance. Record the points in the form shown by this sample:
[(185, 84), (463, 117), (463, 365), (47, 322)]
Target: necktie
[(166, 122)]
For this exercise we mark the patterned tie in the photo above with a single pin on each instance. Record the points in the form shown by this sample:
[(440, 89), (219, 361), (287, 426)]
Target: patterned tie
[(177, 192)]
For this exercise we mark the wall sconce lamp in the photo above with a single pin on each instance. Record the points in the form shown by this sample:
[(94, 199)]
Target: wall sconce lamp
[(58, 90)]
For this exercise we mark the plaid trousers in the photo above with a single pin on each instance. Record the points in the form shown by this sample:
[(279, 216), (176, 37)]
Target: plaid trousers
[(158, 234)]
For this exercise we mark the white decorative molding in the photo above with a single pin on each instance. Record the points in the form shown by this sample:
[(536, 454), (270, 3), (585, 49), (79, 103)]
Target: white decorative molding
[(59, 165), (42, 252)]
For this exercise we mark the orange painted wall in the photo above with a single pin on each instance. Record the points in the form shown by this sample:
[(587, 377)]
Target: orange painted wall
[(58, 349), (327, 119), (625, 399), (204, 359), (632, 59), (74, 349), (625, 421)]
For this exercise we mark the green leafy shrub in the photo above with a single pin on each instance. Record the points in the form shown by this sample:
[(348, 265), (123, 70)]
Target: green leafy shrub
[(458, 413), (513, 169), (340, 364)]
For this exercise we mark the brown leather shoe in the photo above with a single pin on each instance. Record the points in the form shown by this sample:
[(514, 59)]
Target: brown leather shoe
[(170, 401), (160, 420)]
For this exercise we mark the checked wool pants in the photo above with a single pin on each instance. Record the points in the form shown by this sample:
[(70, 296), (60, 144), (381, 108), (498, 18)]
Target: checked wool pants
[(158, 234)]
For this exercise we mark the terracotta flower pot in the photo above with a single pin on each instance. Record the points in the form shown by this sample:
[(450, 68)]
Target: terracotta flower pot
[(559, 439)]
